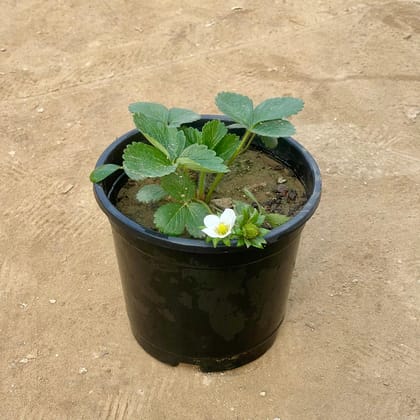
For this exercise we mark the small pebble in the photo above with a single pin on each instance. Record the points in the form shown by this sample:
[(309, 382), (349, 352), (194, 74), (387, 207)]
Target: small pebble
[(281, 180), (3, 49), (292, 195), (282, 190), (206, 380), (100, 354), (23, 305), (412, 113), (263, 393), (67, 189), (222, 203), (40, 109), (256, 187), (53, 300), (24, 360), (83, 370), (310, 326)]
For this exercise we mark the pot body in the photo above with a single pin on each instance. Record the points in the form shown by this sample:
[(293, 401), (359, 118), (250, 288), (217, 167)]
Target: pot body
[(189, 302), (215, 310)]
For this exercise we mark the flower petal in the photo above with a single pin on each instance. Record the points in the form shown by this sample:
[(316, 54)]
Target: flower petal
[(228, 217), (211, 221), (211, 232)]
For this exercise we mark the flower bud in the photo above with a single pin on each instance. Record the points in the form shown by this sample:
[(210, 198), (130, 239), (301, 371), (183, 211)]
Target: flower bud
[(250, 231)]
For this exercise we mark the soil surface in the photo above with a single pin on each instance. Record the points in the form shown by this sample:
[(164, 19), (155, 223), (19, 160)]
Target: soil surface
[(349, 346), (274, 185)]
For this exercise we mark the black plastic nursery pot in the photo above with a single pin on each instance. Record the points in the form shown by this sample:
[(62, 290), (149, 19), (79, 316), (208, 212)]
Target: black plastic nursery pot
[(189, 302)]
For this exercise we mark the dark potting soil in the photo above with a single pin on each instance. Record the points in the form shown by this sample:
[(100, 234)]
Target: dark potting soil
[(274, 185)]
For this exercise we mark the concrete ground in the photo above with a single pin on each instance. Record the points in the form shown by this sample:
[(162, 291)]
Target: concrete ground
[(349, 348)]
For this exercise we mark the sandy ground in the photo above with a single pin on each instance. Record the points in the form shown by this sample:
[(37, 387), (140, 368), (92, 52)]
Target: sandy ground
[(349, 348)]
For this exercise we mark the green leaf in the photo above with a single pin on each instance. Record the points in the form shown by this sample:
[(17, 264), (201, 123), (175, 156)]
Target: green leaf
[(179, 116), (103, 171), (192, 135), (173, 117), (196, 212), (252, 197), (240, 207), (258, 242), (213, 132), (235, 126), (180, 187), (168, 140), (275, 219), (270, 142), (150, 110), (276, 109), (143, 161), (237, 107), (254, 216), (170, 218), (151, 193), (226, 241), (240, 242), (227, 146), (155, 131), (199, 157), (174, 143), (276, 128)]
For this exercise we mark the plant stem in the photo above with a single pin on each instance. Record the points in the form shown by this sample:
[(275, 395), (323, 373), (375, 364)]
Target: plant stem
[(205, 204), (251, 138), (213, 186), (243, 146), (201, 186)]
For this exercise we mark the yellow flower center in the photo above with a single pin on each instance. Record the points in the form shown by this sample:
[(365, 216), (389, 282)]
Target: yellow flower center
[(222, 229)]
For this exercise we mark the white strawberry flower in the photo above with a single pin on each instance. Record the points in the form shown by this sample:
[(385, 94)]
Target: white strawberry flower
[(219, 227)]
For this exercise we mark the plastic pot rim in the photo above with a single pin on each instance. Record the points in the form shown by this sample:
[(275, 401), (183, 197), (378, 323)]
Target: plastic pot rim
[(200, 245)]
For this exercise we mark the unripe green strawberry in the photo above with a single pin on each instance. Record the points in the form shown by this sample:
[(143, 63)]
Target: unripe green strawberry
[(250, 231)]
